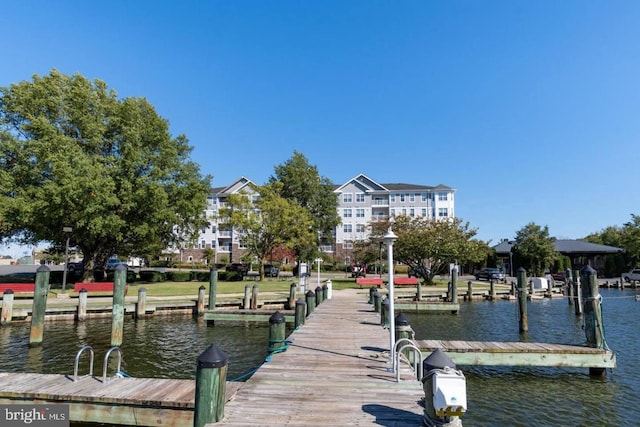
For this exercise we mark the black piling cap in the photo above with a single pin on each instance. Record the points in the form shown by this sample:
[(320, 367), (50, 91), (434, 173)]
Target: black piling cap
[(318, 289), (212, 357), (385, 301), (276, 318), (8, 291), (587, 270), (301, 301), (310, 293), (402, 320), (437, 360)]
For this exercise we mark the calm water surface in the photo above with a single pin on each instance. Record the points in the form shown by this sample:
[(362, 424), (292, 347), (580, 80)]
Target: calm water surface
[(169, 347)]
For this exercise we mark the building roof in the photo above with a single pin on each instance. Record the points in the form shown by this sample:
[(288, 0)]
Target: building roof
[(567, 247), (370, 185)]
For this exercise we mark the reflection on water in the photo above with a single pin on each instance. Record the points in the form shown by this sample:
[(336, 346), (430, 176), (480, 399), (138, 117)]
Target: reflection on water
[(520, 396)]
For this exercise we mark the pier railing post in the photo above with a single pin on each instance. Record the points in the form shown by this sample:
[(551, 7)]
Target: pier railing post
[(301, 310), (82, 304), (7, 307), (117, 311), (39, 305), (211, 382), (311, 301), (141, 305), (522, 299), (201, 297), (276, 332), (213, 287)]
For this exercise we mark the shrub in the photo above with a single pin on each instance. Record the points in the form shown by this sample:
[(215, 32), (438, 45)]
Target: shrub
[(152, 276), (201, 276), (179, 276), (159, 263)]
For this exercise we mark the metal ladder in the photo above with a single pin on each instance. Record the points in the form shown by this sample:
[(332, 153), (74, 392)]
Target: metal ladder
[(417, 360), (118, 373)]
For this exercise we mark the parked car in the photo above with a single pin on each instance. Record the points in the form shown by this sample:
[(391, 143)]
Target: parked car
[(271, 270), (559, 276), (359, 270), (632, 275), (113, 263), (489, 273), (238, 267), (75, 267)]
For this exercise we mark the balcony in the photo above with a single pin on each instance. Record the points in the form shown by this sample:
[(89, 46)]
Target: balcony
[(380, 202)]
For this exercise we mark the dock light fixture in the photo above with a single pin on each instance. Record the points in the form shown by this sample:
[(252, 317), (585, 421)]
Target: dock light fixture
[(389, 239)]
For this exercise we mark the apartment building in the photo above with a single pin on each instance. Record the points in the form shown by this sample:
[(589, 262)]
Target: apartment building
[(360, 201)]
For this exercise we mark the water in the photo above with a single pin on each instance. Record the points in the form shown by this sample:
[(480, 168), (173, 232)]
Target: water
[(515, 396), (497, 396)]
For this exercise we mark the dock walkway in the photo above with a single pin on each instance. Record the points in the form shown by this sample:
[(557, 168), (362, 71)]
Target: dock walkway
[(334, 373)]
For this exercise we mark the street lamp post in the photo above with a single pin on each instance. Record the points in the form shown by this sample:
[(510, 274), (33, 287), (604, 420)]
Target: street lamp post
[(67, 232), (389, 239)]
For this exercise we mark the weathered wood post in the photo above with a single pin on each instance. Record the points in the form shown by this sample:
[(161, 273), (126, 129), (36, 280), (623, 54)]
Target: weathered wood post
[(292, 296), (201, 297), (325, 292), (254, 297), (276, 332), (82, 304), (454, 285), (311, 301), (39, 305), (213, 287), (419, 290), (301, 309), (522, 299), (384, 313), (469, 290), (568, 282), (247, 297), (492, 289), (593, 327), (141, 305), (318, 295), (577, 292), (117, 310), (211, 384), (372, 291), (377, 301), (7, 307)]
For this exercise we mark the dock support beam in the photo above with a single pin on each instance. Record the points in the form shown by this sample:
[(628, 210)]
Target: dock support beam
[(39, 305)]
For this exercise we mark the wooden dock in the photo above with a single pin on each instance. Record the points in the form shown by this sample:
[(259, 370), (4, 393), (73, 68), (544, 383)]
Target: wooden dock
[(335, 372), (491, 353)]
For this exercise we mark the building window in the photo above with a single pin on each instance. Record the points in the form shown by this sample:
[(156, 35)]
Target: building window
[(402, 197), (360, 198), (424, 197), (424, 212), (404, 211), (393, 197), (443, 212), (347, 228), (359, 213), (412, 212), (347, 245), (347, 198), (359, 228), (347, 213), (203, 245), (392, 213), (241, 244), (442, 196), (412, 197)]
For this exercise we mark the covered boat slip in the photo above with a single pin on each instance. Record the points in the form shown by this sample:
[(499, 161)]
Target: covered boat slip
[(493, 353)]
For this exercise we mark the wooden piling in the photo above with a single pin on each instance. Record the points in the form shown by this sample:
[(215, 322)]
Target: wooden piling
[(469, 290), (568, 282), (82, 304), (419, 290), (254, 297), (593, 326), (492, 289), (301, 310), (325, 292), (213, 287), (246, 304), (117, 312), (385, 320), (377, 301), (292, 296), (201, 296), (39, 305), (522, 300), (211, 381), (454, 284), (577, 290), (318, 295), (311, 301), (276, 332), (7, 307), (372, 291)]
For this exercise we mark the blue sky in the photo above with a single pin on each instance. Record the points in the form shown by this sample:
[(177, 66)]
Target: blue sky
[(530, 110)]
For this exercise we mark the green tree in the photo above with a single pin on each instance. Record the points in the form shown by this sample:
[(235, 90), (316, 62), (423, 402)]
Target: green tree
[(302, 184), (534, 248), (74, 155), (428, 246), (268, 222), (630, 240)]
